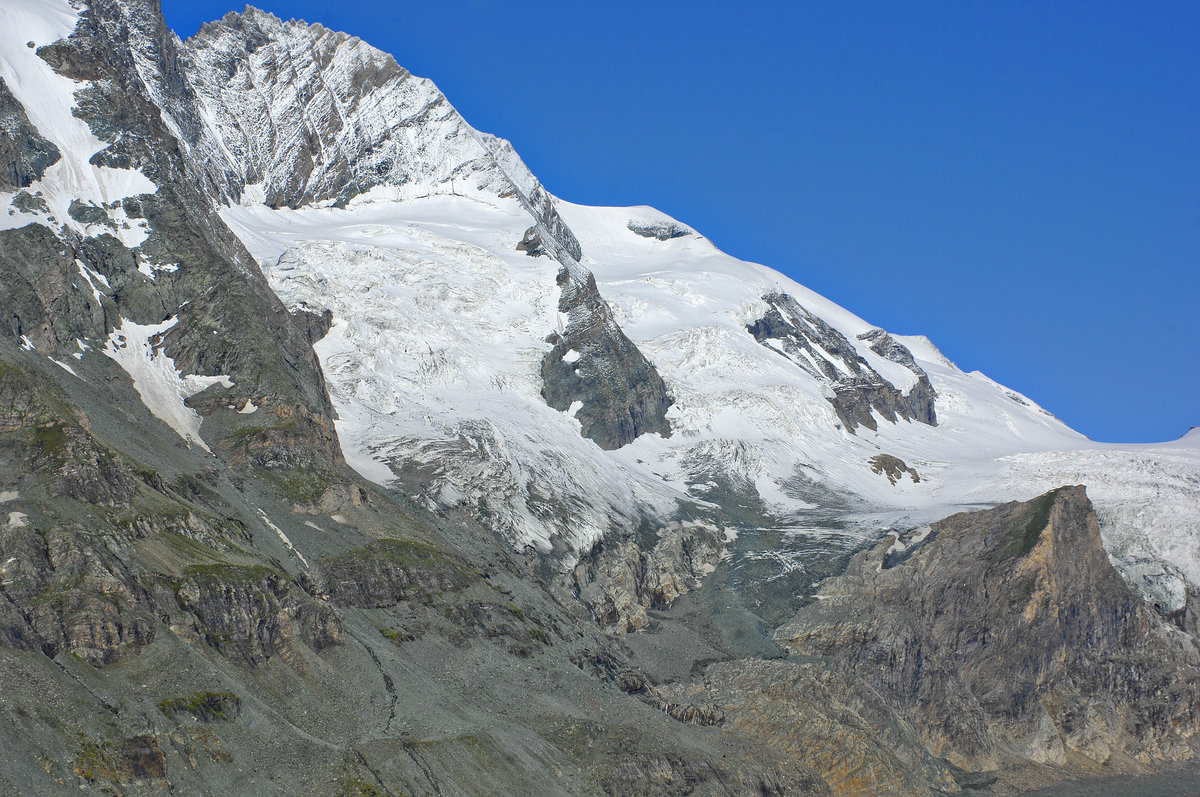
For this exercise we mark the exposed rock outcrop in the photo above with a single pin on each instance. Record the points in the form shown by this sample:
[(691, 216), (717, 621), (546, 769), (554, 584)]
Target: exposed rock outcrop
[(893, 468), (619, 393), (661, 231), (831, 724), (389, 571), (620, 579), (856, 390), (68, 284), (1006, 637), (24, 153), (921, 397), (251, 614)]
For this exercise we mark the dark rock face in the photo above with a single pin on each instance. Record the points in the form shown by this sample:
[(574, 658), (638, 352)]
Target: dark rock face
[(24, 153), (922, 396), (66, 597), (555, 235), (857, 389), (132, 760), (251, 614), (663, 231), (531, 243), (1006, 637), (389, 571), (73, 581), (621, 394), (265, 351)]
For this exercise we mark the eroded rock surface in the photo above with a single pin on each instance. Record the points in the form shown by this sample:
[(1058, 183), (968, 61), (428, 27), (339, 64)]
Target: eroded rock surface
[(1006, 636), (619, 393)]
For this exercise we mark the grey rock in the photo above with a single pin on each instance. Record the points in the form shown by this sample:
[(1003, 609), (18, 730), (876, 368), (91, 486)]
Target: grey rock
[(619, 580), (531, 243), (857, 390), (621, 394), (1007, 639), (662, 231), (893, 468), (24, 153)]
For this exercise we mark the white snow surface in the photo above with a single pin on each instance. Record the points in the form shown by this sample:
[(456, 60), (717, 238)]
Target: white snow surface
[(48, 99), (433, 365), (137, 349), (282, 537)]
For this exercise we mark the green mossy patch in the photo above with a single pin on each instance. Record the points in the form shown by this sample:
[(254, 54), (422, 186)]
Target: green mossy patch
[(225, 573), (50, 441), (204, 706), (1025, 531), (357, 787), (303, 486)]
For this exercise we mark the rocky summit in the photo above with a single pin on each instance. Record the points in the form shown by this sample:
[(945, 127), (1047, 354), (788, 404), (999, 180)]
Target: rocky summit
[(340, 457)]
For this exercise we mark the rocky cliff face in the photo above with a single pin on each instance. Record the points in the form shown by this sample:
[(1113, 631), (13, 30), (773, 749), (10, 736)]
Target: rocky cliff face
[(24, 153), (158, 254), (620, 396), (1006, 637)]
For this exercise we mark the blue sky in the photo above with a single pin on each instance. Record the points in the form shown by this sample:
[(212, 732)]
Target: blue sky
[(1018, 181)]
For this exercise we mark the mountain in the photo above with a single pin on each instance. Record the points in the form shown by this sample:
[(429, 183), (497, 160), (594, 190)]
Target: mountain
[(339, 456)]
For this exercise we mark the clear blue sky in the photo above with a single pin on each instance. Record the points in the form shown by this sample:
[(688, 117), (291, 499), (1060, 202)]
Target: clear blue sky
[(1020, 181)]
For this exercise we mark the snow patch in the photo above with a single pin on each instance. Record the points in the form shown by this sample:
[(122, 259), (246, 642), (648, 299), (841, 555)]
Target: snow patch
[(9, 495), (92, 276), (65, 367), (135, 347), (248, 409), (571, 356), (132, 233), (17, 520), (152, 270), (278, 531)]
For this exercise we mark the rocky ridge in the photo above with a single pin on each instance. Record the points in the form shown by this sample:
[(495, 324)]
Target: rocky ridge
[(1006, 636), (856, 389)]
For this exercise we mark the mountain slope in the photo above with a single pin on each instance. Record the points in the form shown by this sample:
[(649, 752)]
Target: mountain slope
[(337, 456)]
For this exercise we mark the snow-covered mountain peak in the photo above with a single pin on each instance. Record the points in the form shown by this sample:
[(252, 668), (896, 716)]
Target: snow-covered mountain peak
[(565, 373)]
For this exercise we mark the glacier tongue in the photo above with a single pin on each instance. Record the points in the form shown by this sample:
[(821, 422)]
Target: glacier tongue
[(434, 356)]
